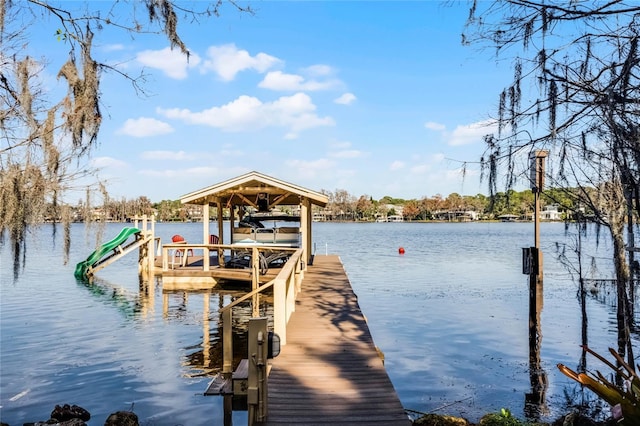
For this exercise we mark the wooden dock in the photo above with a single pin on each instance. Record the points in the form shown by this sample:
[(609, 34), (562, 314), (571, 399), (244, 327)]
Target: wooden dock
[(330, 371)]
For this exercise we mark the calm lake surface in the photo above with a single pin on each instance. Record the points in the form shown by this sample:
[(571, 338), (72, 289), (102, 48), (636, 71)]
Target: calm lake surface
[(450, 315)]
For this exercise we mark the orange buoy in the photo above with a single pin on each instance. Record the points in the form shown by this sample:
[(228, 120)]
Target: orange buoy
[(401, 250)]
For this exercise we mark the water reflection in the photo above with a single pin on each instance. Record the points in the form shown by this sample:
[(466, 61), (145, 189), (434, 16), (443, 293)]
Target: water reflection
[(204, 357), (535, 401), (131, 304)]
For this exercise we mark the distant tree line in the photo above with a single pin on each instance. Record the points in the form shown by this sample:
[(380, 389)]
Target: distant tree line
[(343, 206)]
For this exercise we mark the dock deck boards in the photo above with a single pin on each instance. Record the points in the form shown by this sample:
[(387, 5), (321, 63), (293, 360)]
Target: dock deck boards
[(329, 372)]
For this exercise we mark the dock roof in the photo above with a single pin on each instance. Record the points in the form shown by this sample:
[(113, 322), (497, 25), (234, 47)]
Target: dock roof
[(246, 187)]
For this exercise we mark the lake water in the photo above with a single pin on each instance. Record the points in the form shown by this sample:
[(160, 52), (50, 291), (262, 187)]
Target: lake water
[(450, 315)]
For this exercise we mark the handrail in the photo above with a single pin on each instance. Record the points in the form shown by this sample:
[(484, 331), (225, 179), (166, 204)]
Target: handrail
[(286, 287), (208, 248), (246, 296), (284, 272), (229, 246)]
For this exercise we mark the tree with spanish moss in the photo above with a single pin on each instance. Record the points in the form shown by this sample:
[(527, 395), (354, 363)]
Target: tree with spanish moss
[(575, 93), (46, 141)]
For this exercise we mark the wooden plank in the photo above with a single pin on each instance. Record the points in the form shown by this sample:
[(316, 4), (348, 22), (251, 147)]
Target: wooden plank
[(240, 378), (329, 372), (219, 386)]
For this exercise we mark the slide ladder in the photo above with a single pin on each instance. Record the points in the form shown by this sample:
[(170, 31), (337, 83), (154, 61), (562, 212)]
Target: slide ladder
[(111, 251)]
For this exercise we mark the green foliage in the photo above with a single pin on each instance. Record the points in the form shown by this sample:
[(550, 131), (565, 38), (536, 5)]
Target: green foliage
[(625, 397), (503, 418), (61, 35), (390, 200)]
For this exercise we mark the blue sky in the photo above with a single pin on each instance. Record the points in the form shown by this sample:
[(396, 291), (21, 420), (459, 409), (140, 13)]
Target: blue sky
[(376, 98)]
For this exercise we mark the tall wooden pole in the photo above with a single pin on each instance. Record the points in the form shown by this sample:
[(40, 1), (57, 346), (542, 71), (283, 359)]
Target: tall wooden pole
[(537, 374)]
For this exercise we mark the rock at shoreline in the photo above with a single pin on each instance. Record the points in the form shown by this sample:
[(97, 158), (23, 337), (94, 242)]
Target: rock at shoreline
[(122, 418), (440, 420), (69, 412), (71, 422), (63, 416)]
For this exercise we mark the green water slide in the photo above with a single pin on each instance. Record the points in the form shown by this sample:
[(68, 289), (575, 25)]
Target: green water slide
[(105, 249)]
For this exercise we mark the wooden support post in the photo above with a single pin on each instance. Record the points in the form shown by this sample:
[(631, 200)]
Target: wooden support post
[(221, 233), (305, 227), (255, 281), (227, 344), (205, 223), (257, 380), (205, 237), (151, 259), (206, 335), (280, 309), (165, 305)]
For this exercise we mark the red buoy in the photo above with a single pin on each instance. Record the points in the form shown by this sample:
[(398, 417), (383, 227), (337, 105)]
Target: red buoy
[(401, 250)]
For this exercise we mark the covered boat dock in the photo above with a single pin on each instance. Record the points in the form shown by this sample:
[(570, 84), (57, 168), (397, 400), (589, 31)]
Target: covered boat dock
[(253, 201)]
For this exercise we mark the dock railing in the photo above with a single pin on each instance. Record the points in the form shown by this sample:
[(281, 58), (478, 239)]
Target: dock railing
[(286, 286), (169, 253), (189, 249)]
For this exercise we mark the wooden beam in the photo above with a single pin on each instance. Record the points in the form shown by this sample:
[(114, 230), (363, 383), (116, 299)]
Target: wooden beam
[(253, 190), (246, 200), (279, 199)]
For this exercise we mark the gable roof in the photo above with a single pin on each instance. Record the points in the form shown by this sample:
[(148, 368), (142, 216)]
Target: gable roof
[(246, 188)]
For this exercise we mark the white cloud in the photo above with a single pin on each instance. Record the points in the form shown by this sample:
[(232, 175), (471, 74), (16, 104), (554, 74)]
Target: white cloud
[(396, 165), (319, 70), (341, 145), (247, 113), (102, 162), (471, 133), (180, 173), (277, 80), (172, 62), (347, 153), (227, 61), (144, 127), (306, 169), (420, 169), (437, 157), (231, 151), (168, 155), (434, 126), (113, 47), (345, 99)]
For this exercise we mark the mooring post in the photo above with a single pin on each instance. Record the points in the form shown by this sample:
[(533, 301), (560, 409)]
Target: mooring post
[(536, 298)]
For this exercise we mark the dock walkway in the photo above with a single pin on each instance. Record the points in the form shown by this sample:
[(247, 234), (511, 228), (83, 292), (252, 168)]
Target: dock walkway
[(330, 372)]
